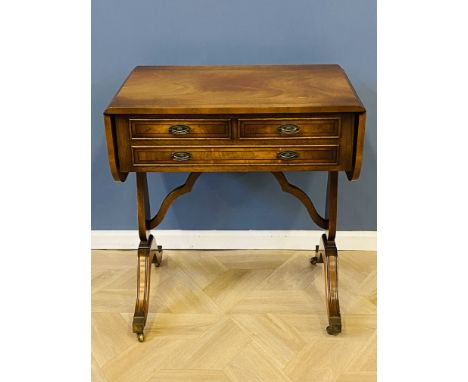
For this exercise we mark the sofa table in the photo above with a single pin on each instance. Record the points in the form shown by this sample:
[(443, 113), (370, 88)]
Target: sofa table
[(274, 118)]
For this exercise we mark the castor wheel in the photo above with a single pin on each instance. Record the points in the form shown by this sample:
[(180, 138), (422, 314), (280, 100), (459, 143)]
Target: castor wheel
[(157, 256), (141, 337), (317, 258), (333, 330)]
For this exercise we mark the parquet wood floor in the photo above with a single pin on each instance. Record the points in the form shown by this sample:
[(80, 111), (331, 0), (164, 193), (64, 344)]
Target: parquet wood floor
[(233, 316)]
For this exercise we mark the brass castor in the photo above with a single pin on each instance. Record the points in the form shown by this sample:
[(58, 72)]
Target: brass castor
[(333, 330), (141, 337), (157, 257), (317, 258)]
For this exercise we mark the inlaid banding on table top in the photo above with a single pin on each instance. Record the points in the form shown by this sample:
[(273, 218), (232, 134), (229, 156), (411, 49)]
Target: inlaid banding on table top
[(236, 89), (164, 156), (152, 128), (267, 128)]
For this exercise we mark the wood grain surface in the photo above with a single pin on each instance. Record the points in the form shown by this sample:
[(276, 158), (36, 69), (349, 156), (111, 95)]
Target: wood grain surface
[(235, 89), (242, 117)]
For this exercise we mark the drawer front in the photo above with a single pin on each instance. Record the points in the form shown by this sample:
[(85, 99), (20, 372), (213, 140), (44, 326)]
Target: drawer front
[(179, 128), (186, 156), (285, 128)]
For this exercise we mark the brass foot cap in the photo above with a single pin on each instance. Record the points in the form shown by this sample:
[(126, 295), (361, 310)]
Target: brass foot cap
[(333, 330)]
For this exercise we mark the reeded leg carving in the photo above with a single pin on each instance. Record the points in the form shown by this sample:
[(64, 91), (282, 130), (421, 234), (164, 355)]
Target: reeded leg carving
[(327, 253), (330, 262), (148, 253)]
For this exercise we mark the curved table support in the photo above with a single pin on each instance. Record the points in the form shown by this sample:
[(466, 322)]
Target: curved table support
[(328, 248), (171, 197), (148, 253), (303, 198), (327, 245), (330, 263)]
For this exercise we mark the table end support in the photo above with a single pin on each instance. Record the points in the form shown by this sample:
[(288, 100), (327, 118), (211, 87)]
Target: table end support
[(148, 253), (327, 253), (330, 262)]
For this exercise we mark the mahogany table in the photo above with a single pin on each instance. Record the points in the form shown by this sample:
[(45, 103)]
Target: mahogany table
[(274, 118)]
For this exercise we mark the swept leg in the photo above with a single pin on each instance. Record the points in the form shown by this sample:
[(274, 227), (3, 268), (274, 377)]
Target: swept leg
[(330, 263), (331, 256), (148, 252), (327, 253)]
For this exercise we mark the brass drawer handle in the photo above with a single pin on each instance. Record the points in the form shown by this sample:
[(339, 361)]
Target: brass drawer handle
[(179, 129), (287, 155), (288, 129), (181, 156)]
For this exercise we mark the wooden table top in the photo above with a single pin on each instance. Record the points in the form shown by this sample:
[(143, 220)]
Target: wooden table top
[(236, 90)]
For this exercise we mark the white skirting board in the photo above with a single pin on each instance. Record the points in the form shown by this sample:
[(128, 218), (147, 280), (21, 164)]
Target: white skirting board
[(180, 239)]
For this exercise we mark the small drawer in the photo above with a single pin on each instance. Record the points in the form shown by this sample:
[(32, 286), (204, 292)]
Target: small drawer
[(176, 156), (260, 128), (180, 128)]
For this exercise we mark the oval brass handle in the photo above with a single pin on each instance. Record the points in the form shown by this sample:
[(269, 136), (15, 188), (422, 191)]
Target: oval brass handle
[(287, 155), (179, 129), (181, 156), (288, 129)]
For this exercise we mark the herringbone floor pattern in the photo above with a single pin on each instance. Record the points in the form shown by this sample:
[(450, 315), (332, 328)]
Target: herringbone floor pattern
[(233, 316)]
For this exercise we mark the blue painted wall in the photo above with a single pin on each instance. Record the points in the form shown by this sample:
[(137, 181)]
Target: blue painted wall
[(203, 32)]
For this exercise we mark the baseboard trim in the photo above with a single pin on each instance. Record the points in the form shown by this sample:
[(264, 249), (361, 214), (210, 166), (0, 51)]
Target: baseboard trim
[(180, 239)]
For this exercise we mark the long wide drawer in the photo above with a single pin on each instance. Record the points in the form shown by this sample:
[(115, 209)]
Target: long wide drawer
[(186, 156), (179, 128)]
